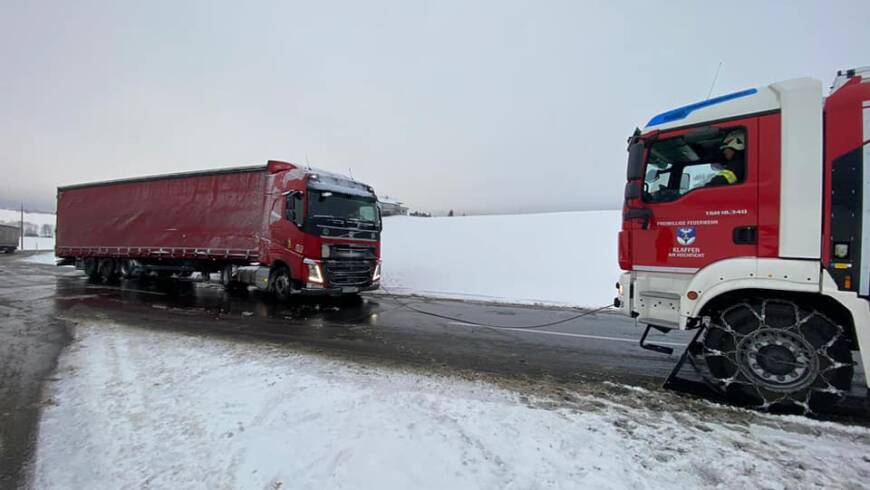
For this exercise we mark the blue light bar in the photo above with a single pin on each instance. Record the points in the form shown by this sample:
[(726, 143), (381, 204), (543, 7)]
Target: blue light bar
[(683, 112)]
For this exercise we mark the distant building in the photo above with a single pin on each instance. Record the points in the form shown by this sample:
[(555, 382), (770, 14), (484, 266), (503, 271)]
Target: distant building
[(391, 207)]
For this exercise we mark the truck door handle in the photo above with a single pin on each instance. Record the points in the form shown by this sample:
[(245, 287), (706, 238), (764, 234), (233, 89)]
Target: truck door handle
[(745, 235)]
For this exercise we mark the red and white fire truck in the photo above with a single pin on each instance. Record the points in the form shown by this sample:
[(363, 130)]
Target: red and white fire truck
[(747, 217)]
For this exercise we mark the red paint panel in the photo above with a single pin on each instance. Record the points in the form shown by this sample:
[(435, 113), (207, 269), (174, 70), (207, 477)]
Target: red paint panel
[(714, 213), (624, 250), (219, 212), (769, 185), (843, 133)]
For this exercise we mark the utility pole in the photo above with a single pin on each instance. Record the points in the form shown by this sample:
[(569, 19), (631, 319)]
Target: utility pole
[(21, 230)]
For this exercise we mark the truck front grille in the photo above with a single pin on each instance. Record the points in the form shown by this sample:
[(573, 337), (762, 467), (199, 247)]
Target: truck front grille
[(345, 273), (347, 251)]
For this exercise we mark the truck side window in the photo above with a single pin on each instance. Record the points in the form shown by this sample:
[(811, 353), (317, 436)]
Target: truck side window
[(295, 213), (679, 165)]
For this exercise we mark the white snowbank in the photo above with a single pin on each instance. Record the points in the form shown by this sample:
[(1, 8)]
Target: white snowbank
[(47, 259), (211, 413), (38, 243), (552, 258)]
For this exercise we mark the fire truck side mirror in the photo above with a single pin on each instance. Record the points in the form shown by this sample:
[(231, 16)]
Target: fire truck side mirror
[(635, 161), (633, 190), (644, 214)]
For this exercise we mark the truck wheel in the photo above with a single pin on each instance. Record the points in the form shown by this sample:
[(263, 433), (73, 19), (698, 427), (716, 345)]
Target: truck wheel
[(281, 284), (227, 278), (91, 269), (107, 271), (125, 267), (772, 353)]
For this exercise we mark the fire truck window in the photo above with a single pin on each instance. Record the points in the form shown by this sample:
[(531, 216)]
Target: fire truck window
[(676, 167)]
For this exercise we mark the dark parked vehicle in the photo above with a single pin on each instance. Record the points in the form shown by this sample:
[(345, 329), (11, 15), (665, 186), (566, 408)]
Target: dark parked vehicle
[(9, 236)]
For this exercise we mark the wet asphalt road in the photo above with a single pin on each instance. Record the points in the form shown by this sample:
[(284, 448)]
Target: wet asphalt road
[(39, 302)]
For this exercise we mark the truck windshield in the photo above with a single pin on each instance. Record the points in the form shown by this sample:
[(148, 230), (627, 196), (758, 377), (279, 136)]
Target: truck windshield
[(325, 204)]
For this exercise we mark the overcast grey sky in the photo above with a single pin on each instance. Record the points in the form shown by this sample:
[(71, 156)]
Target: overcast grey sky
[(498, 106)]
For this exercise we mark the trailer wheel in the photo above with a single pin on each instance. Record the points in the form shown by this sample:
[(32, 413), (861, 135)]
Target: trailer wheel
[(125, 267), (280, 283), (107, 271), (774, 354), (91, 269)]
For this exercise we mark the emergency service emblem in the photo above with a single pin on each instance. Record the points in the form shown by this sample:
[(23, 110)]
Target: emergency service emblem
[(686, 236)]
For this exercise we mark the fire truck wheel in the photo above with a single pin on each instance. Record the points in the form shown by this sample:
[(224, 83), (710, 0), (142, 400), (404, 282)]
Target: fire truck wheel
[(774, 354), (90, 268), (280, 283)]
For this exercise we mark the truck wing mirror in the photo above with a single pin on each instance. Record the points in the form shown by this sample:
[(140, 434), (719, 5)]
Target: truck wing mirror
[(294, 207), (644, 214), (635, 161), (633, 190)]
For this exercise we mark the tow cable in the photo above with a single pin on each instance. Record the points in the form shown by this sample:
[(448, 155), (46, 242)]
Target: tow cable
[(490, 325)]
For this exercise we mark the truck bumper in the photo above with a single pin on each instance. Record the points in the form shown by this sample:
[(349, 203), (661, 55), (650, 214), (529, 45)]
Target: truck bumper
[(337, 291), (624, 294), (653, 297)]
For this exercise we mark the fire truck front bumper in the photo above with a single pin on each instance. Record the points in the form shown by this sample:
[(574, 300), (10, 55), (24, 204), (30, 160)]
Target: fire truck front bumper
[(624, 294)]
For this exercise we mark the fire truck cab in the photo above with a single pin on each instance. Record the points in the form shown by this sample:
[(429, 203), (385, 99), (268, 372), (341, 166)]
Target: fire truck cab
[(744, 218)]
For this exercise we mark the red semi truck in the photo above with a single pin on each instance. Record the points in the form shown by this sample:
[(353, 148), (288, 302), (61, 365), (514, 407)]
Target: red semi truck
[(280, 227), (747, 217)]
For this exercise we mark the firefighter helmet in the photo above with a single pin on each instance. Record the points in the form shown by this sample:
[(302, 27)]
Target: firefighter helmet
[(735, 140)]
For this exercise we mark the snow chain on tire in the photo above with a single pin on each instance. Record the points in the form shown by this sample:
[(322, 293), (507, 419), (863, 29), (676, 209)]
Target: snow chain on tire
[(770, 353)]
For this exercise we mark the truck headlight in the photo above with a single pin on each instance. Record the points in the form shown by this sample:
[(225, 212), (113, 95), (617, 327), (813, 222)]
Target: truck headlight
[(314, 272), (377, 274), (324, 251)]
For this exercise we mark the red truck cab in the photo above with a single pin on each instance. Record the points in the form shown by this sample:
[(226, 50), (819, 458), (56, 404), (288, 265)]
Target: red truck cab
[(325, 228)]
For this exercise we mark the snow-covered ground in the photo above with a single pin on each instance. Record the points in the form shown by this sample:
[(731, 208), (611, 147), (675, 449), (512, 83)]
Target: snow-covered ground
[(552, 258), (38, 243), (214, 413), (42, 258)]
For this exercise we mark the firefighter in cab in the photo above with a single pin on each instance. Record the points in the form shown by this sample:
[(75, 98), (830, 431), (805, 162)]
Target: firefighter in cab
[(732, 168)]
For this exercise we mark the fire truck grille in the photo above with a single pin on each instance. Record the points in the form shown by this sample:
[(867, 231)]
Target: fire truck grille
[(343, 273)]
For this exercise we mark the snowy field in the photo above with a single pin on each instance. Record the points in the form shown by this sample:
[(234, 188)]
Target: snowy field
[(12, 216), (213, 413), (551, 258), (38, 243)]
